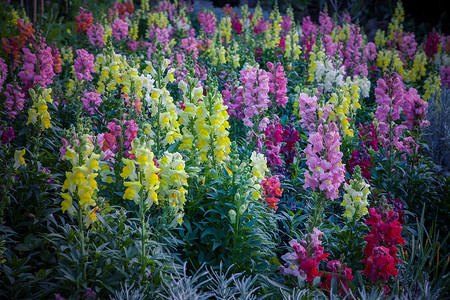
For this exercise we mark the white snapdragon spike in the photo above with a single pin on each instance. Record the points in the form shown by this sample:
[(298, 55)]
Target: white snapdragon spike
[(327, 76), (147, 84), (441, 59), (364, 85)]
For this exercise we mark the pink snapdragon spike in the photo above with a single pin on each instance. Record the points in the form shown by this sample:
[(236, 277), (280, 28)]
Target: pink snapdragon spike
[(37, 67), (326, 24), (278, 85), (91, 101), (271, 191), (254, 93), (260, 27), (15, 100), (305, 259), (286, 24), (168, 7), (207, 22), (370, 51), (324, 160), (3, 72), (236, 24), (6, 134), (309, 35), (309, 112), (342, 279), (273, 140), (95, 35), (84, 65), (445, 76), (354, 63), (381, 249), (119, 29), (390, 95), (415, 111), (159, 35), (431, 46)]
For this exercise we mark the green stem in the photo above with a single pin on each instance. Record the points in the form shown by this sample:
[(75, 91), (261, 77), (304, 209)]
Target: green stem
[(83, 253), (143, 233)]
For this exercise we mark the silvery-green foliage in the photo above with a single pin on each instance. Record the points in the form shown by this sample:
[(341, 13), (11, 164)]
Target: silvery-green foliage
[(182, 286), (438, 133), (246, 287), (128, 293), (301, 294), (222, 283)]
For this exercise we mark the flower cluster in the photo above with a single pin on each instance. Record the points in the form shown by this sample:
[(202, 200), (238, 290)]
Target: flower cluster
[(254, 93), (324, 160), (278, 86), (119, 130), (173, 180), (207, 22), (91, 101), (119, 29), (3, 72), (37, 67), (311, 114), (305, 259), (95, 35), (415, 111), (80, 183), (15, 100), (390, 97), (39, 108), (84, 65), (355, 197), (271, 190), (381, 249), (6, 134), (83, 21), (142, 174), (341, 274)]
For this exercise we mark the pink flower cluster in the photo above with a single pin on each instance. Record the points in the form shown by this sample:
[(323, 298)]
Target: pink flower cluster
[(278, 84), (162, 35), (109, 141), (254, 93), (261, 26), (84, 65), (324, 160), (91, 101), (14, 100), (95, 35), (278, 140), (306, 257), (207, 21), (407, 45), (309, 112), (6, 134), (309, 35), (119, 29), (445, 76), (271, 190), (415, 111), (341, 274), (3, 72), (37, 67), (381, 249), (432, 43), (389, 94)]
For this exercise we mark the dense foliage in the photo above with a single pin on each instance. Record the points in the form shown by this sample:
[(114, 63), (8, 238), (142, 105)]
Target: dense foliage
[(153, 152)]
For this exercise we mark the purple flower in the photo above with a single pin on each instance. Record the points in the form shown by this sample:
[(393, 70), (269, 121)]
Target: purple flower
[(84, 65), (119, 29)]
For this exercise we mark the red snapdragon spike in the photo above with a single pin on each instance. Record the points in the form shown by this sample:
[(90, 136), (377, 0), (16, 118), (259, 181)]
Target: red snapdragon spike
[(381, 251)]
